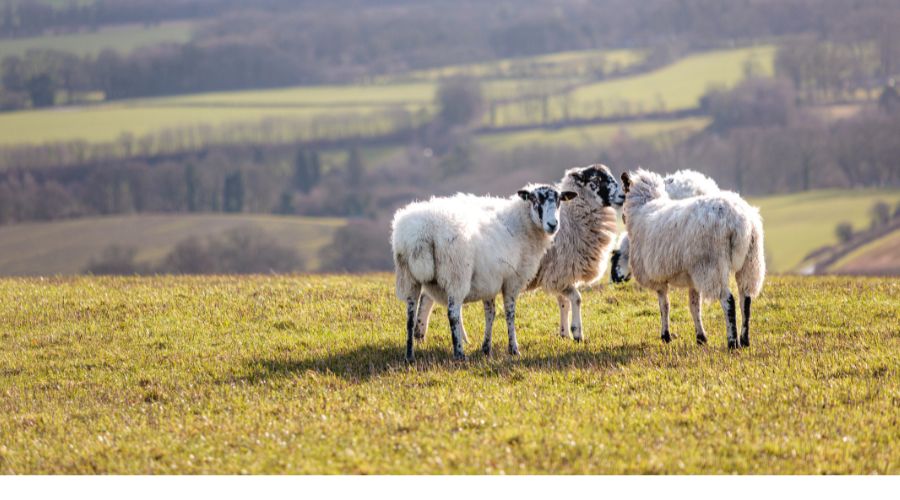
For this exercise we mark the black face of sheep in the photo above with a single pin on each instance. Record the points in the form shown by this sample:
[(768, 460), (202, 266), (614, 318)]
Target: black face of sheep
[(545, 202), (602, 183)]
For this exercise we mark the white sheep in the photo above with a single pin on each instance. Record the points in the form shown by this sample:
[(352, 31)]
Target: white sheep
[(467, 248), (680, 185), (696, 242), (580, 251)]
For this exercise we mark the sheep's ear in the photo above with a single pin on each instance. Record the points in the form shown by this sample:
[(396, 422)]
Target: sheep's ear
[(568, 195), (576, 174), (524, 194), (626, 181)]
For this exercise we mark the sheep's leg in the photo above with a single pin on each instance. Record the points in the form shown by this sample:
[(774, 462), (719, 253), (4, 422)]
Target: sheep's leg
[(509, 308), (563, 316), (663, 296), (574, 297), (454, 315), (489, 314), (730, 321), (426, 304), (745, 320), (695, 301), (412, 298)]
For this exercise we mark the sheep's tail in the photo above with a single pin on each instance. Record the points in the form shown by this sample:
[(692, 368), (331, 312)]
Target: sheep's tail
[(752, 269), (414, 263)]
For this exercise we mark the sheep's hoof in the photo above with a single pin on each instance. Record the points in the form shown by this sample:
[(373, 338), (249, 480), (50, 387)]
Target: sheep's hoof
[(745, 341), (578, 339), (486, 349), (458, 356), (701, 339), (666, 337), (564, 334), (410, 358), (513, 351), (732, 343)]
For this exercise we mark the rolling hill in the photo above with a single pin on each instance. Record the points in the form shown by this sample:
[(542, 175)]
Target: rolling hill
[(66, 247)]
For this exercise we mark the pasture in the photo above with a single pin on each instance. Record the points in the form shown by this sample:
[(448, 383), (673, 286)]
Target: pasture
[(289, 114), (796, 224), (305, 374), (121, 38), (66, 247)]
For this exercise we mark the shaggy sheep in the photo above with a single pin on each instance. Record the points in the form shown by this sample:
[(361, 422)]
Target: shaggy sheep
[(467, 248), (696, 242), (581, 249), (680, 185)]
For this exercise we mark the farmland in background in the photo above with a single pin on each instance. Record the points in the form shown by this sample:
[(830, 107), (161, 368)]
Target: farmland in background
[(66, 247)]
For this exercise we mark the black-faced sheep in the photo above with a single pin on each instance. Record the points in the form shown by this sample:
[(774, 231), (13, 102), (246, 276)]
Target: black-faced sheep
[(467, 248)]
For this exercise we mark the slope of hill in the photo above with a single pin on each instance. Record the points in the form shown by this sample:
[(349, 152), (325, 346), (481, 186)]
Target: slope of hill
[(66, 247), (880, 257), (305, 374), (797, 224)]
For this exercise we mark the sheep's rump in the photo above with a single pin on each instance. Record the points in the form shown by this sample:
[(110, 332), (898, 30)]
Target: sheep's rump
[(697, 242), (449, 245)]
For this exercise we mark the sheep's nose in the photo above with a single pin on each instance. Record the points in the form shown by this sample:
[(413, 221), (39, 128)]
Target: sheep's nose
[(552, 226)]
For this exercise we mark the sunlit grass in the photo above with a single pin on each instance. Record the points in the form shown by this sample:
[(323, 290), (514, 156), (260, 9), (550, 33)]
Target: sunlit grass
[(306, 375)]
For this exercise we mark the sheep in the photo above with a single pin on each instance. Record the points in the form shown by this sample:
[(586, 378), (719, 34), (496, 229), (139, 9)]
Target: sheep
[(696, 242), (467, 248), (580, 251), (680, 185)]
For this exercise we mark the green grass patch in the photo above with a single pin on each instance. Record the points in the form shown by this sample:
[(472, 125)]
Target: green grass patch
[(797, 224), (122, 38), (305, 375), (66, 247), (589, 135), (674, 87)]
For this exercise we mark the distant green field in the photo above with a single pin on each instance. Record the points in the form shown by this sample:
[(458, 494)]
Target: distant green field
[(305, 375), (66, 247), (881, 256), (572, 64), (676, 86), (797, 224), (120, 38), (589, 135), (287, 114)]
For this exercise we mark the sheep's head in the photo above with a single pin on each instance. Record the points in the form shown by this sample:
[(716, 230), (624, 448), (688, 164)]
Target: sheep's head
[(641, 187), (545, 201), (600, 183)]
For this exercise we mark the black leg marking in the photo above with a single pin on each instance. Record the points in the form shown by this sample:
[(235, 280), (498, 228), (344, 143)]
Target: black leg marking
[(745, 322), (454, 311), (410, 327), (666, 336), (489, 313), (730, 321)]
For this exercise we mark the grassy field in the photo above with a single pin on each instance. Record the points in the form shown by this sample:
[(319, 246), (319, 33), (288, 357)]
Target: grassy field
[(572, 64), (124, 38), (589, 135), (66, 247), (797, 224), (287, 114), (305, 375), (676, 86), (875, 257)]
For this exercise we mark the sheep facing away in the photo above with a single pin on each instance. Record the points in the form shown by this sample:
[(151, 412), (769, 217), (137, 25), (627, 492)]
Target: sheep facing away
[(696, 242), (581, 250), (467, 248), (680, 185)]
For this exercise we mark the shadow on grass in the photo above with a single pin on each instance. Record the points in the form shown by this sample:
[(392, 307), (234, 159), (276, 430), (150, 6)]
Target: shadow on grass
[(370, 361)]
